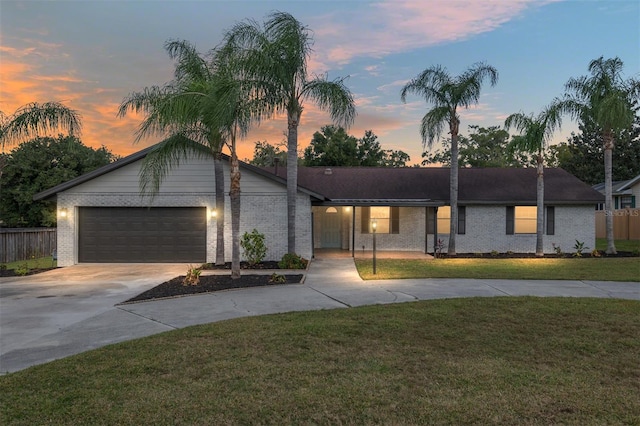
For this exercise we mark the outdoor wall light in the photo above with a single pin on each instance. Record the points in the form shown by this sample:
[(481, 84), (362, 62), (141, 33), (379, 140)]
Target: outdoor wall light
[(347, 209), (63, 212), (213, 214)]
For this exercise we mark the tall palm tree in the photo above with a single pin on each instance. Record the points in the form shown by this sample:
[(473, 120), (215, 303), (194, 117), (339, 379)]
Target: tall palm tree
[(447, 94), (33, 120), (202, 109), (277, 56), (536, 133), (607, 99)]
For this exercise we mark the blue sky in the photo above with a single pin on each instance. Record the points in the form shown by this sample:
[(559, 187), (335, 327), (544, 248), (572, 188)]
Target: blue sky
[(91, 54)]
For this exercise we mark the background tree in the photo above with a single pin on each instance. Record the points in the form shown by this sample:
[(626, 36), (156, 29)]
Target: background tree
[(582, 154), (607, 99), (484, 147), (40, 164), (536, 131), (265, 155), (277, 55), (447, 94), (332, 146)]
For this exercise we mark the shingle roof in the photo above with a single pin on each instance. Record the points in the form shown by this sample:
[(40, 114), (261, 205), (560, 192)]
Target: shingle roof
[(475, 185)]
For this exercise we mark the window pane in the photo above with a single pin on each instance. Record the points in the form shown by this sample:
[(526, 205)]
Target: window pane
[(381, 216), (525, 220), (444, 219)]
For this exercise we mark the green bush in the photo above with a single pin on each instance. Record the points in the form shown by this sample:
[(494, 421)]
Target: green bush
[(253, 247), (277, 279), (293, 261)]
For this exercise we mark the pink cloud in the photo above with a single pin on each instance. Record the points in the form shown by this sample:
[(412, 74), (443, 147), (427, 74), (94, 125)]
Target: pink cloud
[(401, 25)]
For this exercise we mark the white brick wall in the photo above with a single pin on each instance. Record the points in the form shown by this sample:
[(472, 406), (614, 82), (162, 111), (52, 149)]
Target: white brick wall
[(267, 213), (485, 231)]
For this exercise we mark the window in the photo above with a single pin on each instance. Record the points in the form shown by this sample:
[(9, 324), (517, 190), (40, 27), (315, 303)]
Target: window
[(521, 219), (627, 201), (444, 220), (551, 220), (331, 210), (387, 219)]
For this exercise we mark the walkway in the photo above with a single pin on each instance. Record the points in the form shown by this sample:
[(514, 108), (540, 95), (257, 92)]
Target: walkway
[(53, 320)]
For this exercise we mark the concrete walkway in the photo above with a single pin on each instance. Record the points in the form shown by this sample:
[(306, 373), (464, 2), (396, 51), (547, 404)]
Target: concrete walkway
[(71, 310)]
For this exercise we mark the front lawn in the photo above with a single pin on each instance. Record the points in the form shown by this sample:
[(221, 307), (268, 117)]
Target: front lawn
[(621, 245), (458, 361), (29, 264), (594, 269)]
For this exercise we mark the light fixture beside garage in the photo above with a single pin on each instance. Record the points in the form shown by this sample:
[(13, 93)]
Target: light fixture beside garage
[(213, 213), (63, 212)]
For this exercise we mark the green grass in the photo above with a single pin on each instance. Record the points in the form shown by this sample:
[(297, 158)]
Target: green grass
[(459, 361), (40, 263), (597, 269), (621, 245)]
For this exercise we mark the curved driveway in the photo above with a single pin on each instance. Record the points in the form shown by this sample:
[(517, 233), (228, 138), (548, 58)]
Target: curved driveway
[(71, 310)]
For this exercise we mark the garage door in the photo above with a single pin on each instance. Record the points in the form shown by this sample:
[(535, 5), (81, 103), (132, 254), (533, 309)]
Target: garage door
[(130, 235)]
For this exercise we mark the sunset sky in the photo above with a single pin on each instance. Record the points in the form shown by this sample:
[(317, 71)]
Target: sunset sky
[(91, 54)]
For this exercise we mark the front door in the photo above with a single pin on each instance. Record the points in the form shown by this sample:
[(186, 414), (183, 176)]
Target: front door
[(331, 228)]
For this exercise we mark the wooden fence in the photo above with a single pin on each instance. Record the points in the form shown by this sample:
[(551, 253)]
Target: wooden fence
[(626, 224), (18, 244)]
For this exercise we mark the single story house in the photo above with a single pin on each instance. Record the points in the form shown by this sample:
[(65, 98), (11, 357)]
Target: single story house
[(624, 192), (102, 217)]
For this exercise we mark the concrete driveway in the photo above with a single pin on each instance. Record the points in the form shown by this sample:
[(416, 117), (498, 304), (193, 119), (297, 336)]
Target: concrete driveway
[(71, 310)]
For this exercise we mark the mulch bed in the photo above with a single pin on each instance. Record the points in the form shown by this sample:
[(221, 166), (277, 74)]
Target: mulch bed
[(585, 255), (208, 283)]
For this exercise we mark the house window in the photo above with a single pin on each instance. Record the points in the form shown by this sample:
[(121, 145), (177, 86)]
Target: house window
[(444, 220), (387, 219), (551, 220), (331, 210), (627, 201), (521, 219)]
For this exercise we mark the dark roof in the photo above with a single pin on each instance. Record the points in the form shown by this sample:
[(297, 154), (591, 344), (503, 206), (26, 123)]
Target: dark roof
[(52, 192), (475, 185)]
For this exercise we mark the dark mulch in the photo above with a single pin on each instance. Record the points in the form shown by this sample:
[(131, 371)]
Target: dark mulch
[(586, 255), (272, 264), (208, 283)]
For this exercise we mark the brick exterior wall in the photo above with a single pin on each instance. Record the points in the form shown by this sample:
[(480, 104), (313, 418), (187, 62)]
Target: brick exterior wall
[(266, 213), (485, 231)]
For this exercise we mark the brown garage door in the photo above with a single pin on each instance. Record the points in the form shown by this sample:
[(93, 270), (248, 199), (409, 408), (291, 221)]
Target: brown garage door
[(130, 235)]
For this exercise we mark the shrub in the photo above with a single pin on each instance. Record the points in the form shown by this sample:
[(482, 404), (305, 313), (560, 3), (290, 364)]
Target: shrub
[(277, 279), (293, 261), (253, 247), (579, 247), (192, 277), (595, 253), (557, 249)]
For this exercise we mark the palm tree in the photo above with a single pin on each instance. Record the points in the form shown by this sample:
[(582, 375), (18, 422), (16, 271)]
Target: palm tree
[(447, 94), (33, 120), (607, 99), (537, 132), (276, 56), (203, 109)]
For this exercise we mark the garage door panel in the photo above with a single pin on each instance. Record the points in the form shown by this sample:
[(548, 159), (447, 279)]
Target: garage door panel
[(123, 235)]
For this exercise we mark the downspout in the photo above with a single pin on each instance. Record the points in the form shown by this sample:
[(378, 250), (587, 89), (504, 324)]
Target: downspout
[(435, 231), (313, 241), (353, 232), (426, 229)]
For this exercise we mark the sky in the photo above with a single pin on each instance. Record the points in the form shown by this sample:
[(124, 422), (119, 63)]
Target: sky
[(90, 54)]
